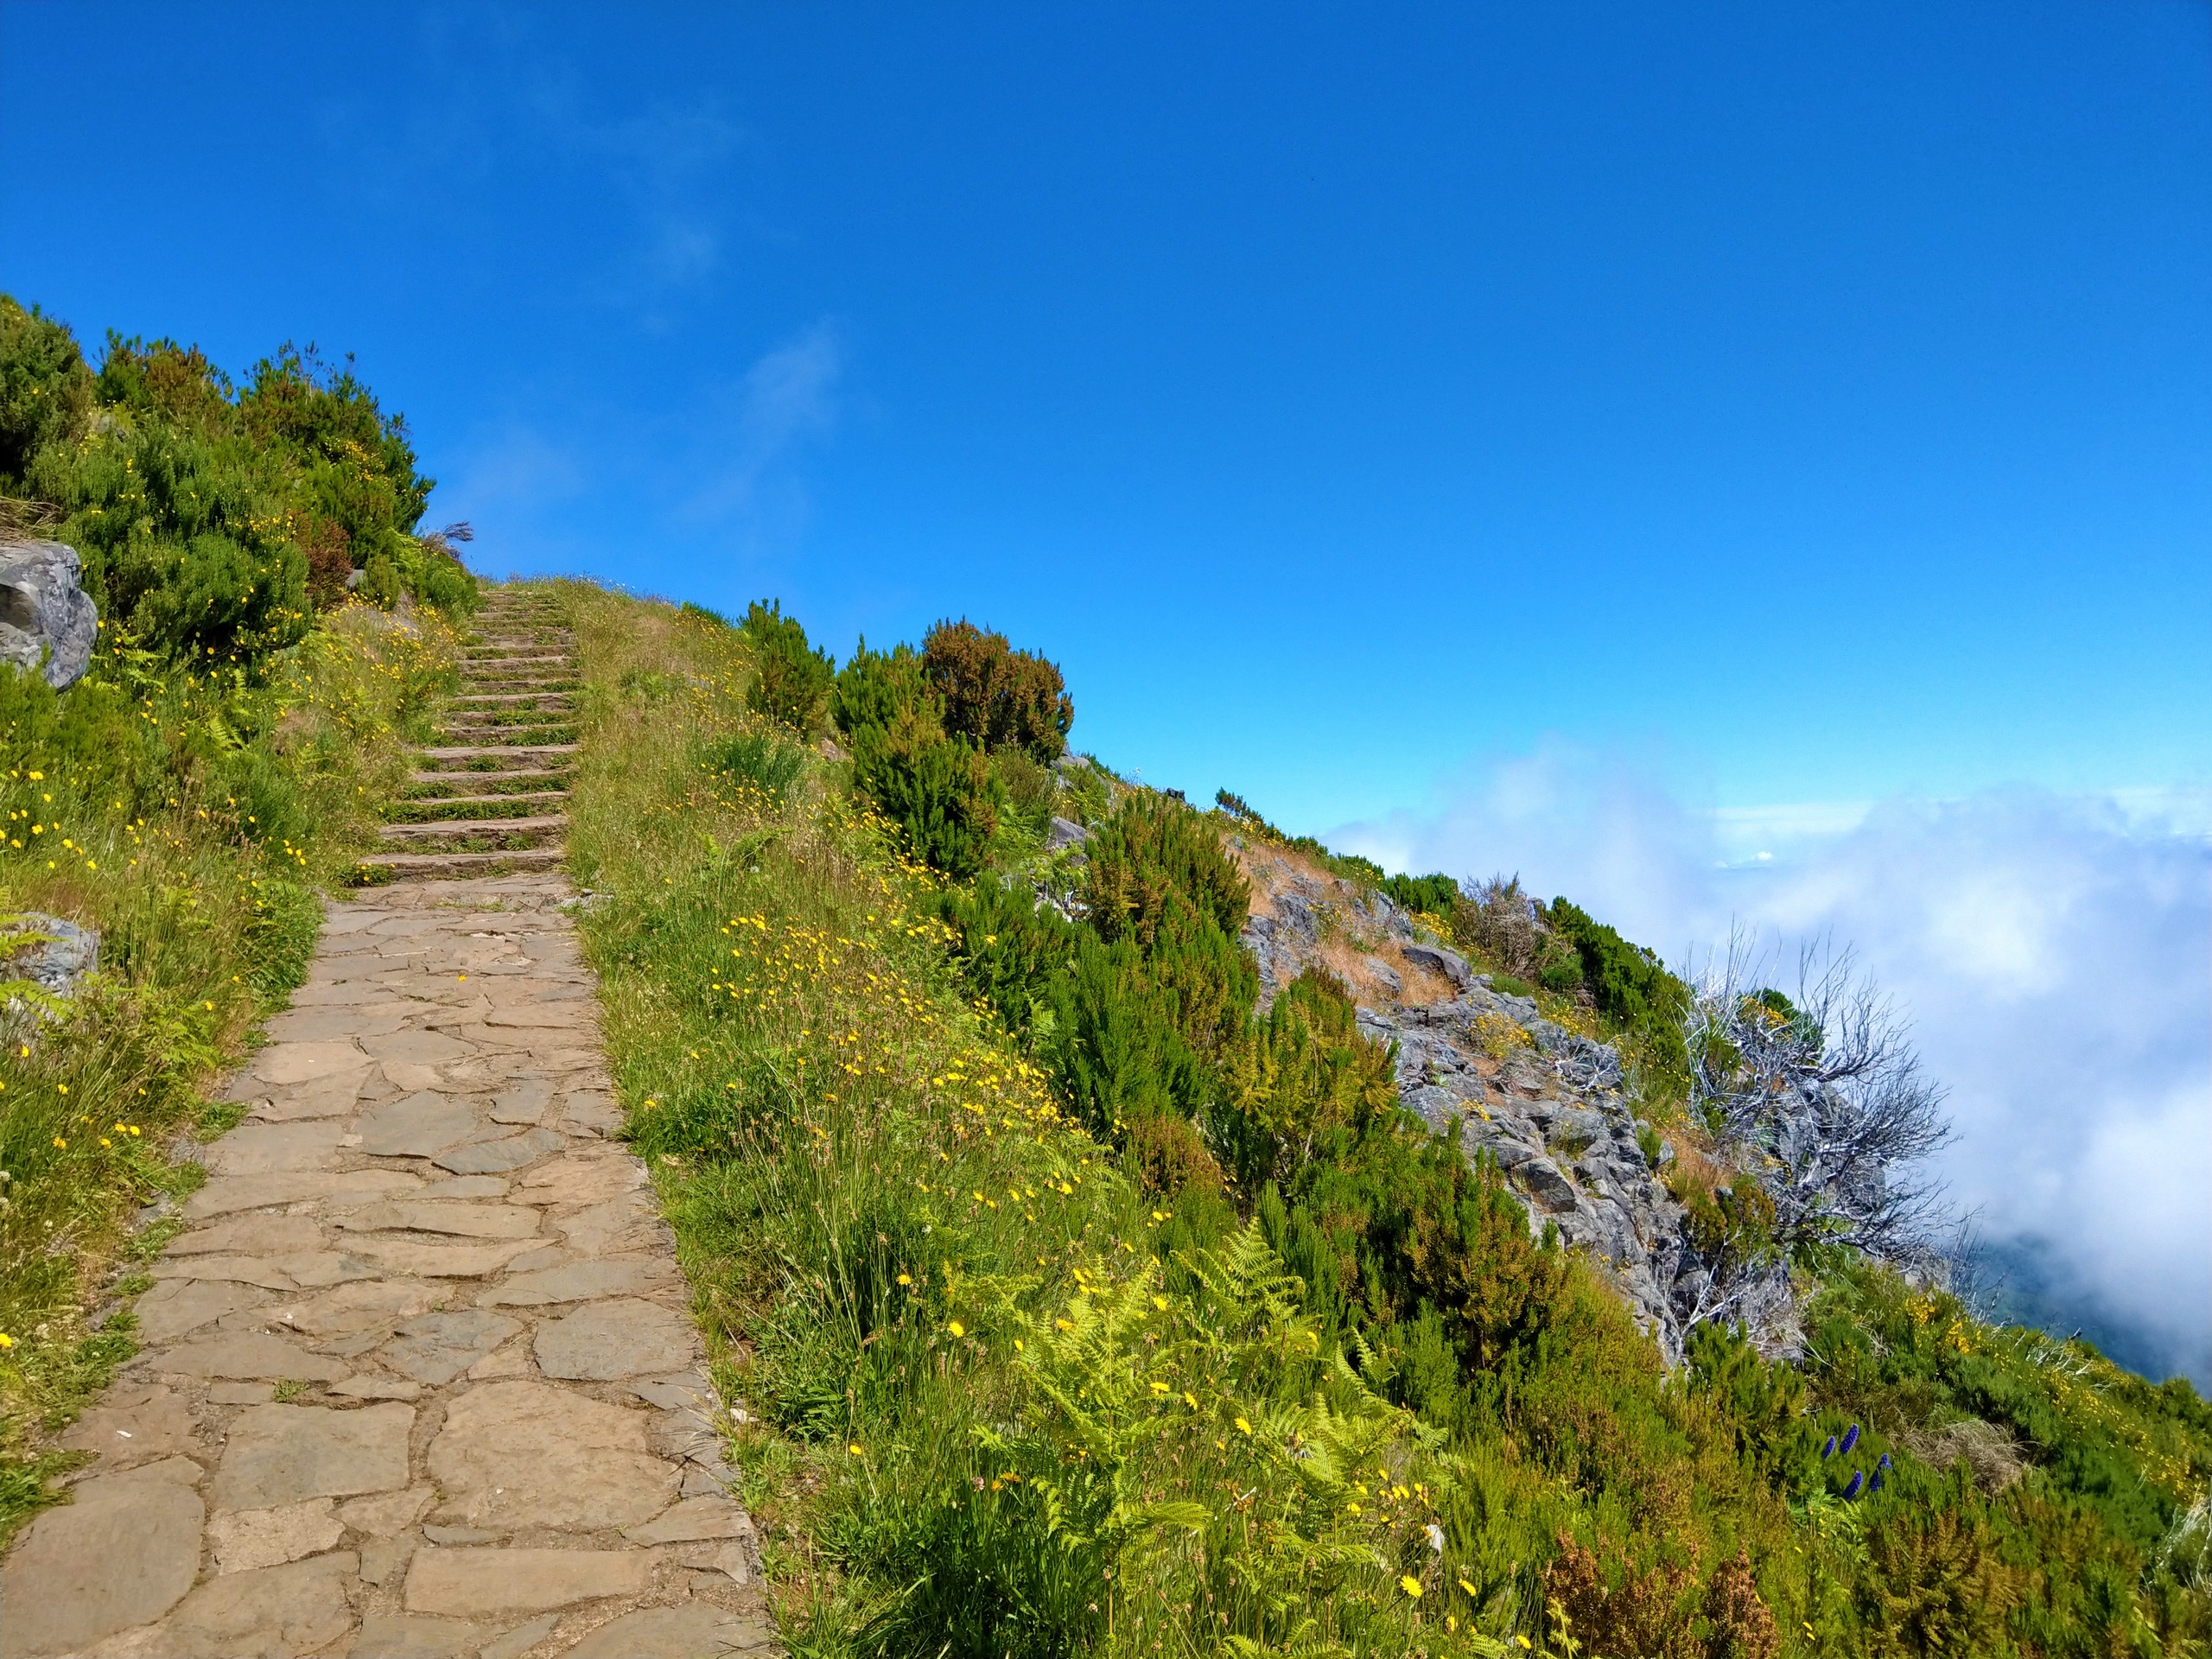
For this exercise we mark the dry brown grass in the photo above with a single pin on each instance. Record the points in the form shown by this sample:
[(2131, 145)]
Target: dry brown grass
[(1694, 1169), (1990, 1453)]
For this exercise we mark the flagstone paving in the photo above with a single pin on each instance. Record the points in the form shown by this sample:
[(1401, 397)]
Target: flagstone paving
[(419, 1379)]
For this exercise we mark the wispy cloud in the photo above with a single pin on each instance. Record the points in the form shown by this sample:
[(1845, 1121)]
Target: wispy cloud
[(649, 194), (2051, 951), (785, 397)]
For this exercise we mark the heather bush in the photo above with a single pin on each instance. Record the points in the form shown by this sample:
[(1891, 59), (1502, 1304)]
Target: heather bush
[(1010, 950), (995, 697), (878, 688), (205, 516), (1425, 895), (937, 789), (1156, 863), (45, 391), (790, 678)]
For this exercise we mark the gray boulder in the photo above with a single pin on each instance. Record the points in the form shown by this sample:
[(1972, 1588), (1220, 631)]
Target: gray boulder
[(48, 621), (1065, 832), (1438, 960), (51, 953)]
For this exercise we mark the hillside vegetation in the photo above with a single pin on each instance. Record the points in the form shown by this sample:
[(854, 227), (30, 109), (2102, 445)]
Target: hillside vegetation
[(241, 732), (1073, 1295), (1077, 1304)]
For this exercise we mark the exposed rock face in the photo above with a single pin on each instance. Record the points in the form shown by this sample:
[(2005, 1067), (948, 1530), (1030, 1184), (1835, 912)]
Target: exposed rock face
[(48, 621), (1488, 1072)]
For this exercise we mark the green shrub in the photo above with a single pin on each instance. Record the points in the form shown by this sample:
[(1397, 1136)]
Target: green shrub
[(790, 678), (878, 688), (937, 789), (1430, 895), (1630, 984), (355, 463), (1010, 949), (45, 391), (183, 539), (1309, 1073), (1156, 860), (1029, 791), (995, 697), (444, 585), (202, 515)]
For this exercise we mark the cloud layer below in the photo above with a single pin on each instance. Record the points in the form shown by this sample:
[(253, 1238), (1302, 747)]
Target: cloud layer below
[(2053, 954)]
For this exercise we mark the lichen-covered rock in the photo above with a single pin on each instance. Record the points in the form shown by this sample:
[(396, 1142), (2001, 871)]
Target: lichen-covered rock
[(47, 622)]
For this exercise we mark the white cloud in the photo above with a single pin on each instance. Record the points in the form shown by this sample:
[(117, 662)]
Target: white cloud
[(2050, 949), (786, 397)]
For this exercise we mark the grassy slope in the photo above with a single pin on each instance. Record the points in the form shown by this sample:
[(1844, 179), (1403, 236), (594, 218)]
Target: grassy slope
[(191, 822), (985, 1418)]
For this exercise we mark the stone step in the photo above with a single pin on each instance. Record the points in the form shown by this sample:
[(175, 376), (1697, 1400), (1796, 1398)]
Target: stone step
[(518, 720), (533, 796), (514, 774), (510, 750), (473, 827), (505, 736), (510, 697), (462, 863)]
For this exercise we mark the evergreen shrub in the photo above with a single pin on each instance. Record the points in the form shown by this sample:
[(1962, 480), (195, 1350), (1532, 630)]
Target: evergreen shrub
[(879, 687), (938, 789), (790, 678), (995, 697), (1429, 895), (203, 515), (45, 391), (1628, 983)]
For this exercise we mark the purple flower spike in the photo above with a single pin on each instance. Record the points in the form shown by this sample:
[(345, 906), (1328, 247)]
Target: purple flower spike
[(1851, 1490), (1850, 1439), (1875, 1485), (1885, 1460), (1829, 1450)]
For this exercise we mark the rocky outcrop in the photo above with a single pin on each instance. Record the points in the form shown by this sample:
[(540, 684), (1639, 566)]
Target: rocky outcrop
[(47, 622), (1489, 1072)]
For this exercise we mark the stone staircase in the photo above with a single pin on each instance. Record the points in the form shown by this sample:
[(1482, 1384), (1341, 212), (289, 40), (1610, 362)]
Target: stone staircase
[(489, 796)]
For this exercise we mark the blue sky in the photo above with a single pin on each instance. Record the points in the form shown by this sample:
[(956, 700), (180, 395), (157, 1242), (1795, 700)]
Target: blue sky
[(1453, 430), (1816, 399)]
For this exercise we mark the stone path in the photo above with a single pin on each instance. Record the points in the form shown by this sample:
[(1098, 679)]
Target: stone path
[(418, 1377)]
